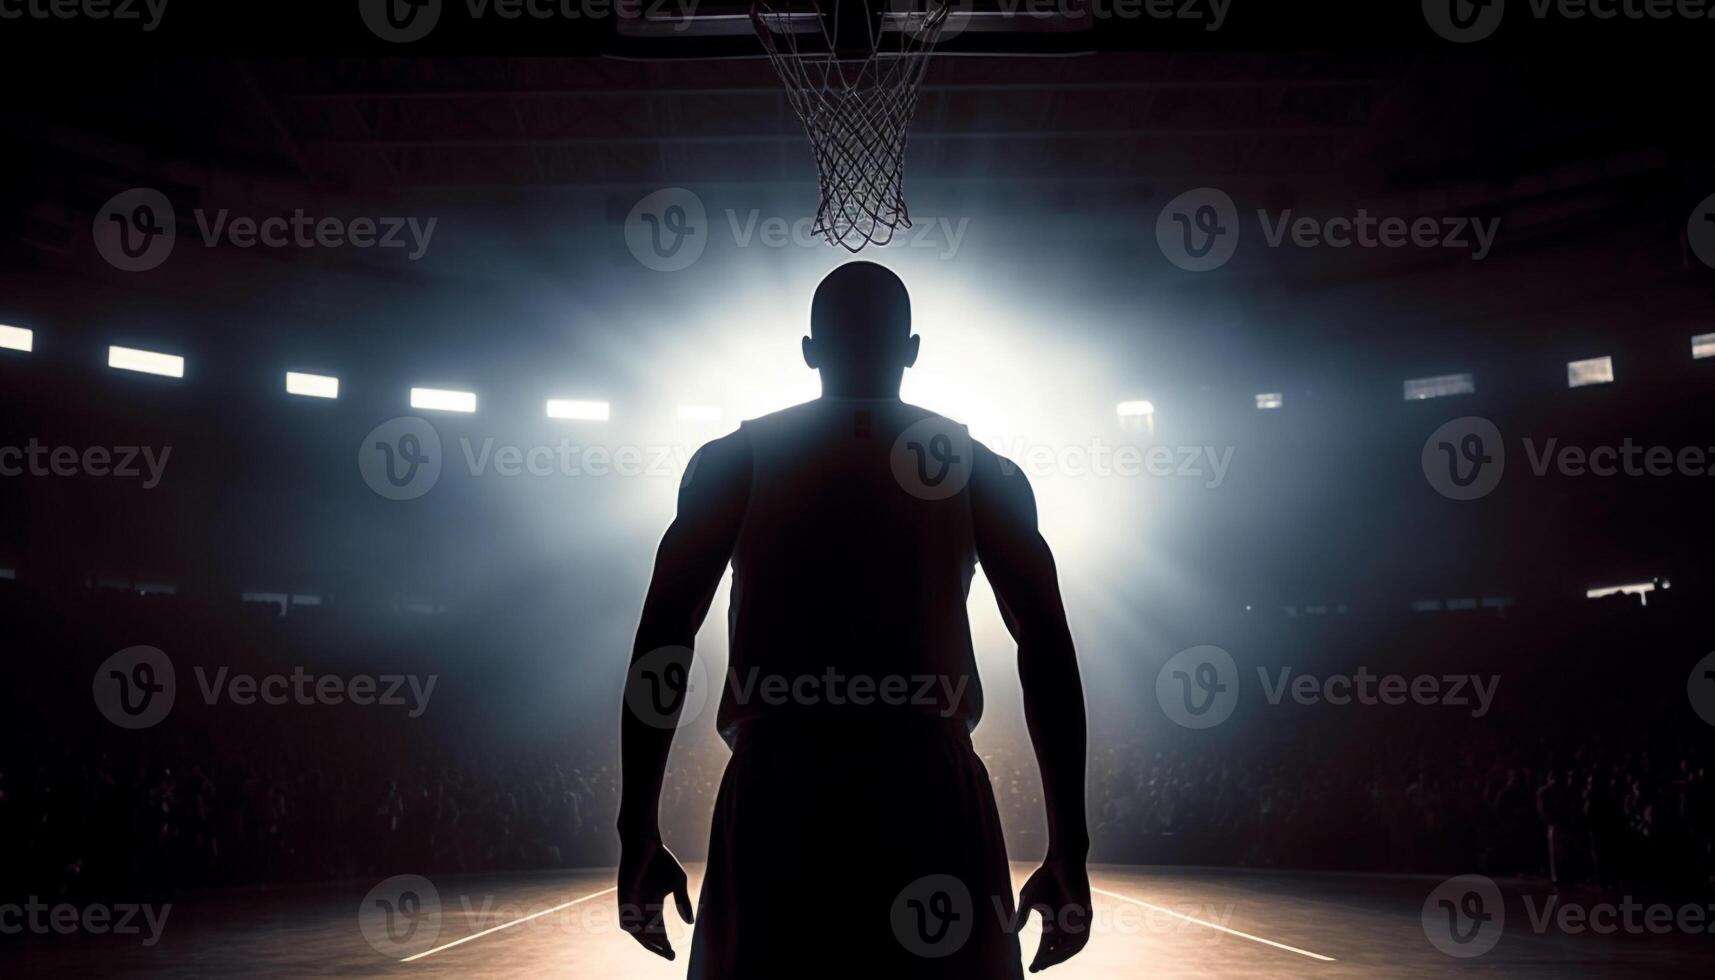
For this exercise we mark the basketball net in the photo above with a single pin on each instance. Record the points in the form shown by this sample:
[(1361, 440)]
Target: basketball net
[(856, 106)]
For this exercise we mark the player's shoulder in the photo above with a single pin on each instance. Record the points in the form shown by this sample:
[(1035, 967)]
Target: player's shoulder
[(993, 474), (732, 442), (983, 456), (722, 460), (998, 482)]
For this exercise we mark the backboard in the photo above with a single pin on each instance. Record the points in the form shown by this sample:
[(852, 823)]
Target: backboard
[(851, 70), (655, 29)]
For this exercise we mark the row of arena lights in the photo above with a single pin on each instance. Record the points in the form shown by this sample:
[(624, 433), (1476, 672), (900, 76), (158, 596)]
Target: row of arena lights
[(1598, 370), (308, 385)]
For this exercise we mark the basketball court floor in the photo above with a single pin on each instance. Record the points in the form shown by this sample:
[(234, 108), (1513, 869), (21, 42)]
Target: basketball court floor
[(1149, 922)]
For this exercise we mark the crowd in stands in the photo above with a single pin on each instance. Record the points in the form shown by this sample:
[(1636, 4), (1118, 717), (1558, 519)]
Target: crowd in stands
[(170, 820), (1610, 813), (214, 801)]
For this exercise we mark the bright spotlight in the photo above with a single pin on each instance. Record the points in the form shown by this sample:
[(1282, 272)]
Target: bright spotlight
[(311, 385), (562, 408), (1269, 400), (439, 400), (1639, 589), (1135, 410), (1595, 371), (16, 338), (146, 362), (1440, 386)]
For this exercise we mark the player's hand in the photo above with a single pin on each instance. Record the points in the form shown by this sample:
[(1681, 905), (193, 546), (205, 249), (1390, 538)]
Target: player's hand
[(1060, 891), (648, 873)]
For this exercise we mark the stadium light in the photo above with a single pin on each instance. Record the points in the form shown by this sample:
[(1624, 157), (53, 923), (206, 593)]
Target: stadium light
[(1270, 400), (311, 385), (1134, 410), (1595, 371), (16, 338), (583, 411), (1702, 346), (146, 362), (1639, 589), (699, 413), (442, 400), (1440, 386)]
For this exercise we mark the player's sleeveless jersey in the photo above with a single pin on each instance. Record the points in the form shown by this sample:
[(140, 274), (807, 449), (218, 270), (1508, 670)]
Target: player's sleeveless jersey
[(853, 565)]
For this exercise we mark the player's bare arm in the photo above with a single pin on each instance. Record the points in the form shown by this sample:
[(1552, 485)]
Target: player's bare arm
[(688, 567), (1020, 568)]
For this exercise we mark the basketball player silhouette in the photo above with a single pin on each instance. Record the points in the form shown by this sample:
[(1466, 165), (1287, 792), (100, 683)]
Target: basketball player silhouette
[(855, 831)]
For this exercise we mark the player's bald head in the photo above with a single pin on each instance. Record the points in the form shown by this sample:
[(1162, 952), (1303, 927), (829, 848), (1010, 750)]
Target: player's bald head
[(860, 303), (860, 332)]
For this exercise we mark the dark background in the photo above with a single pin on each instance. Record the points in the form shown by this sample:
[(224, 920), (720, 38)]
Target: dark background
[(531, 146)]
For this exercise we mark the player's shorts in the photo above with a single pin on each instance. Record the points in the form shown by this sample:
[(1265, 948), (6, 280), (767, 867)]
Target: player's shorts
[(855, 847)]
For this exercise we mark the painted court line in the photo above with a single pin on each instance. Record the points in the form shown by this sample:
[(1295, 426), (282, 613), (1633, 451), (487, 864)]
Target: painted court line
[(508, 925), (1217, 926)]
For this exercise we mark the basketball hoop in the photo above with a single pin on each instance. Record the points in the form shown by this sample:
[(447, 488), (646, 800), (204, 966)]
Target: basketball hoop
[(852, 76)]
